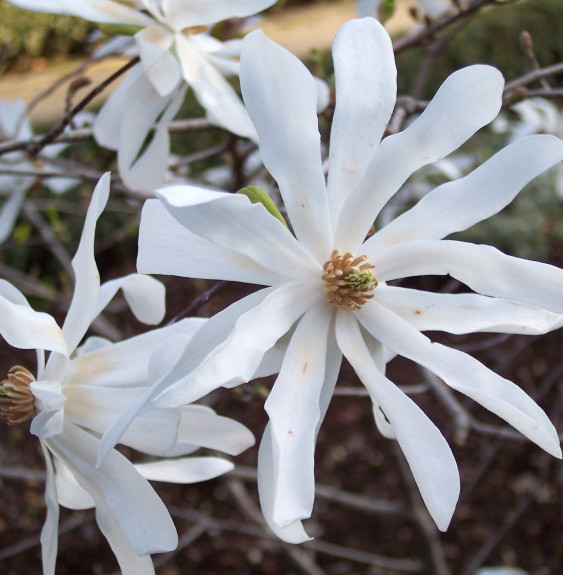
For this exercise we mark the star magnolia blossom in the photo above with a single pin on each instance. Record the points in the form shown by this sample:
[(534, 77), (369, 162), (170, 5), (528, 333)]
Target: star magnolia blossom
[(328, 294), (176, 51), (80, 391)]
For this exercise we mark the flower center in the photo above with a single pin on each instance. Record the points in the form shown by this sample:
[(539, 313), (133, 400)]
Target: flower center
[(17, 402), (348, 280)]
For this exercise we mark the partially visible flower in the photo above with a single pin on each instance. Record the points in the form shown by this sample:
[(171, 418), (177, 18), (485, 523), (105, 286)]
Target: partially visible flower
[(14, 125), (80, 391), (434, 9), (535, 116), (176, 52), (329, 295)]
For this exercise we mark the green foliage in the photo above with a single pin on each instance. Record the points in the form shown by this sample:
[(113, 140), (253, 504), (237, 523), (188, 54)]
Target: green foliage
[(491, 37), (27, 35)]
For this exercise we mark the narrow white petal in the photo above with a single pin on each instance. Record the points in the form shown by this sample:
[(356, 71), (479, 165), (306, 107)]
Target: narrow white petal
[(82, 308), (456, 206), (468, 100), (144, 294), (281, 97), (222, 104), (50, 531), (104, 11), (70, 493), (49, 401), (427, 452), (24, 328), (466, 313), (185, 470), (119, 491), (159, 64), (231, 221), (366, 88), (484, 269), (293, 533), (294, 411), (463, 373), (167, 247), (205, 12), (9, 213), (235, 357)]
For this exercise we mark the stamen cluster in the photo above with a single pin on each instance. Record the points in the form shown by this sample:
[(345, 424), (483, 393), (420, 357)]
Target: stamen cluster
[(348, 280), (16, 399)]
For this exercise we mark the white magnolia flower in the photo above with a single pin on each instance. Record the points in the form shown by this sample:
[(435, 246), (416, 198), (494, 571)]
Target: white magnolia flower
[(14, 125), (176, 51), (328, 295), (536, 116), (80, 391)]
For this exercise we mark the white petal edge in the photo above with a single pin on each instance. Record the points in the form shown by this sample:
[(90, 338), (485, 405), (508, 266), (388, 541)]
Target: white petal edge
[(185, 470)]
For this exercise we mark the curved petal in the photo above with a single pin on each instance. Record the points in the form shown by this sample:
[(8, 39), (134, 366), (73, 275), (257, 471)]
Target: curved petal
[(456, 206), (366, 88), (49, 401), (233, 222), (159, 64), (464, 374), (294, 411), (201, 426), (294, 532), (103, 11), (70, 493), (223, 106), (119, 491), (229, 357), (484, 269), (182, 14), (185, 470), (281, 97), (167, 247), (24, 328), (82, 308), (50, 530), (427, 452), (466, 313), (144, 294), (468, 100)]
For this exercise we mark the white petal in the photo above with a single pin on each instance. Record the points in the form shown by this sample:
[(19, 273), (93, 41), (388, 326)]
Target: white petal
[(167, 247), (201, 426), (468, 100), (185, 470), (119, 492), (204, 12), (9, 213), (293, 533), (281, 97), (141, 167), (159, 64), (104, 11), (49, 401), (82, 308), (50, 531), (484, 269), (69, 492), (466, 313), (366, 88), (233, 222), (215, 359), (223, 106), (435, 8), (428, 454), (24, 328), (463, 373), (455, 206), (293, 409), (144, 294)]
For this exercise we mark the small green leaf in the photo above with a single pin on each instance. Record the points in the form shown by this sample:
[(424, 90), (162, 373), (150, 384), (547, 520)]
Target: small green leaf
[(259, 196), (386, 10), (119, 29)]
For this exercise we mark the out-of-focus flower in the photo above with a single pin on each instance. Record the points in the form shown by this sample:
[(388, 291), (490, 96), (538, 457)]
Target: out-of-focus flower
[(329, 295), (434, 9), (80, 391), (535, 116), (14, 125), (176, 51)]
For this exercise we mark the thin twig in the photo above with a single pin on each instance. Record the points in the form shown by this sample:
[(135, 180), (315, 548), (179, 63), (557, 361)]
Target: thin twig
[(200, 301)]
